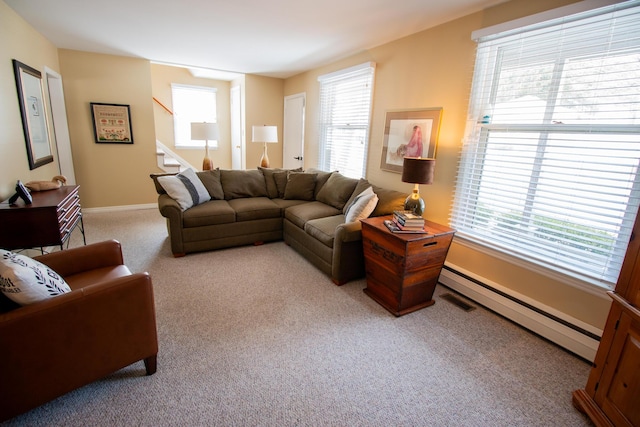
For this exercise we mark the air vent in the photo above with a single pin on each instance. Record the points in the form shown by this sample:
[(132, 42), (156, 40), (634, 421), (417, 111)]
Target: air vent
[(457, 302)]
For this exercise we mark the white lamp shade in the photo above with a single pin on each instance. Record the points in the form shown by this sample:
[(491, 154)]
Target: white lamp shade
[(204, 131), (264, 134)]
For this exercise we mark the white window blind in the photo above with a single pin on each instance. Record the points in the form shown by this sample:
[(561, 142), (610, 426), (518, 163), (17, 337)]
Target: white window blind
[(549, 164), (191, 104), (345, 111)]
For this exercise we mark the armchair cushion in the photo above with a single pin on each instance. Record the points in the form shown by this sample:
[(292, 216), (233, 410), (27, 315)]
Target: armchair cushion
[(27, 281)]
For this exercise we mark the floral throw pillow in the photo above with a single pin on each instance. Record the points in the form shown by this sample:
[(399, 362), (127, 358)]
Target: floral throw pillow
[(26, 281)]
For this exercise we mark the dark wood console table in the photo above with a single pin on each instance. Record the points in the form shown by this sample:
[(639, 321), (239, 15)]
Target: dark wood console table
[(403, 269), (48, 221)]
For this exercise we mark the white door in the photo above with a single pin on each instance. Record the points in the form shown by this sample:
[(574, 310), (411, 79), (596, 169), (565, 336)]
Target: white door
[(293, 144), (62, 142), (237, 141)]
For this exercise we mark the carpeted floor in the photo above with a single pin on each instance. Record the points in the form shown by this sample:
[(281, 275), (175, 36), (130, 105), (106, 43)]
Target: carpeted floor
[(256, 336)]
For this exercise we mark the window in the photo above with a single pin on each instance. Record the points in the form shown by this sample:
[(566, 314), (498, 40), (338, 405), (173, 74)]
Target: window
[(191, 104), (549, 165), (345, 111)]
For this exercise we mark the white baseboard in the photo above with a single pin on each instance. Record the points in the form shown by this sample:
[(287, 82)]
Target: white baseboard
[(570, 333), (121, 208)]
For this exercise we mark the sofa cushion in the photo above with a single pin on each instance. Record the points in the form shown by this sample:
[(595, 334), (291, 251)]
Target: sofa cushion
[(209, 213), (211, 181), (362, 185), (321, 179), (249, 209), (324, 229), (300, 185), (300, 214), (269, 180), (27, 281), (155, 176), (185, 188), (388, 201), (243, 183), (280, 178), (337, 190), (362, 206)]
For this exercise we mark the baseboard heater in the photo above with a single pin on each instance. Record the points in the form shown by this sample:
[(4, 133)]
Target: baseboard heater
[(570, 333)]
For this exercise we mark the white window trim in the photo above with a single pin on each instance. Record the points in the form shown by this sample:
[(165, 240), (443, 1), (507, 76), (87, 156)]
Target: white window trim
[(338, 75)]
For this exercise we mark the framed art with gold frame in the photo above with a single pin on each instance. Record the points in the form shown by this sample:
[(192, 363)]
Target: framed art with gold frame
[(409, 133)]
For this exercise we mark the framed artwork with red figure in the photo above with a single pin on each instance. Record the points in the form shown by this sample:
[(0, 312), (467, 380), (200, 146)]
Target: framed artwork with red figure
[(409, 133)]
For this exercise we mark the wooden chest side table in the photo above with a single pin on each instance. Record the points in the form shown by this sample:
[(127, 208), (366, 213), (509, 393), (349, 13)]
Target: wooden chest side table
[(403, 269), (47, 221)]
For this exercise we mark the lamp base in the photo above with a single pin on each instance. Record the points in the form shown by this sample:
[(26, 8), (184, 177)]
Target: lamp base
[(414, 203), (207, 164), (264, 161)]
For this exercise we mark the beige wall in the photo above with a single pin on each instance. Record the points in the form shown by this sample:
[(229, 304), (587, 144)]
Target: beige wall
[(161, 77), (110, 174), (264, 105), (18, 40), (434, 68)]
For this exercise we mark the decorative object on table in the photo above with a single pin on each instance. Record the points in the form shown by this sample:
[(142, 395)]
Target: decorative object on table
[(34, 116), (409, 133), (56, 182), (22, 193), (407, 221), (111, 123), (266, 135), (206, 132), (417, 170)]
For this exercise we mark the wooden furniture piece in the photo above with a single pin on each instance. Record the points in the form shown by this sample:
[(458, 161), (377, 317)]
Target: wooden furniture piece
[(612, 394), (47, 221), (403, 269)]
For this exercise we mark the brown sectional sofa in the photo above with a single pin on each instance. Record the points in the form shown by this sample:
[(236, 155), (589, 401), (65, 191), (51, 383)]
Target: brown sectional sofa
[(305, 208)]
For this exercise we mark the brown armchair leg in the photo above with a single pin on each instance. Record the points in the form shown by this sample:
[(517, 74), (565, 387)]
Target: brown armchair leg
[(151, 364)]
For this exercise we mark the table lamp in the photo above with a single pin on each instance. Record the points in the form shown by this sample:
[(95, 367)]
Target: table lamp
[(417, 170), (204, 131), (265, 134)]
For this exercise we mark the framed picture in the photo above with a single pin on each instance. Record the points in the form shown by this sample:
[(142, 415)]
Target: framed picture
[(34, 116), (409, 133), (111, 123)]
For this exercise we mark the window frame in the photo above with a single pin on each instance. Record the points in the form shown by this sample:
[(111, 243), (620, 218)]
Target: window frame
[(478, 136), (185, 125), (333, 124)]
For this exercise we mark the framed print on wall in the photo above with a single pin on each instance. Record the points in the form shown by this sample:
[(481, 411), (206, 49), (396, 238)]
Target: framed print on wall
[(111, 123), (409, 133), (34, 116)]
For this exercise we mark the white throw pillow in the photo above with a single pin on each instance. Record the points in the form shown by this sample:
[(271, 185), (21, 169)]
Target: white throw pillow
[(185, 188), (362, 206), (26, 281)]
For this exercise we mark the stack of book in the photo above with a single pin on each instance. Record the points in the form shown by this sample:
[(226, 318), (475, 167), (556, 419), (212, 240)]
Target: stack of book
[(406, 221)]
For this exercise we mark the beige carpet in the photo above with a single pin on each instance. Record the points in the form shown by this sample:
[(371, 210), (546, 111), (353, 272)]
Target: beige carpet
[(256, 336)]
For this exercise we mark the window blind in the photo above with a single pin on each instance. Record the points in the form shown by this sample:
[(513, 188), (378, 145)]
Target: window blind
[(345, 111), (549, 164), (191, 104)]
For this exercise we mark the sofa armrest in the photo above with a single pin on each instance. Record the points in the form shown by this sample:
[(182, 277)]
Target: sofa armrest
[(84, 258), (171, 210), (71, 340), (349, 232)]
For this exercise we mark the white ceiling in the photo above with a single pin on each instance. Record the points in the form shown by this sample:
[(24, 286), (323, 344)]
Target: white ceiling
[(277, 38)]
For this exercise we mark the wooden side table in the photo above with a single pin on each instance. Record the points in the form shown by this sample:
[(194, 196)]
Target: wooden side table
[(403, 269), (47, 221)]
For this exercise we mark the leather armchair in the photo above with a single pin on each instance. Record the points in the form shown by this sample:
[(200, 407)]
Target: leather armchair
[(105, 323)]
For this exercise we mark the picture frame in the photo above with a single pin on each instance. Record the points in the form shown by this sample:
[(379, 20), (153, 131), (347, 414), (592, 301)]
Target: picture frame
[(111, 123), (411, 133), (34, 114)]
